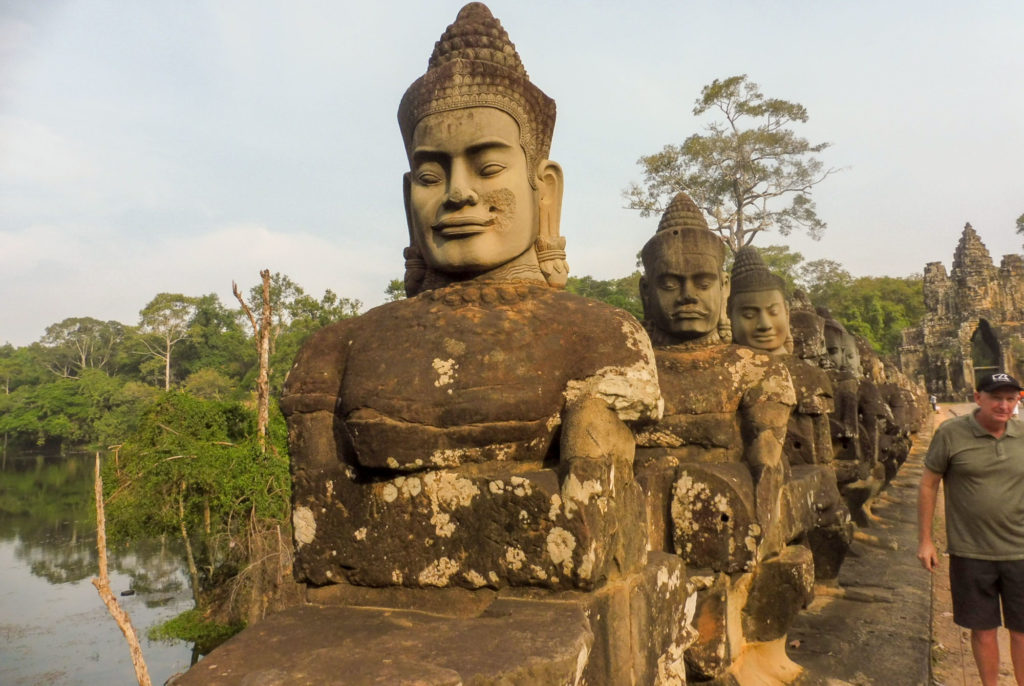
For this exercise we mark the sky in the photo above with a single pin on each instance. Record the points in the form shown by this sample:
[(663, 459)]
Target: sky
[(177, 146)]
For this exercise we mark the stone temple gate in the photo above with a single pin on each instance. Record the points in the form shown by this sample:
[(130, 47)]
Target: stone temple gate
[(974, 322)]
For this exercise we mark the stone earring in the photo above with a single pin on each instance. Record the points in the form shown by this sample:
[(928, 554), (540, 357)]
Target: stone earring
[(415, 271)]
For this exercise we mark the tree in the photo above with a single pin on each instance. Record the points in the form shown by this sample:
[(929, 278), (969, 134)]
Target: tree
[(261, 334), (163, 323), (394, 291), (80, 343), (1020, 224), (624, 292), (743, 170)]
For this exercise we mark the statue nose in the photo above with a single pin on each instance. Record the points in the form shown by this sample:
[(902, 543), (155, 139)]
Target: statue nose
[(462, 196)]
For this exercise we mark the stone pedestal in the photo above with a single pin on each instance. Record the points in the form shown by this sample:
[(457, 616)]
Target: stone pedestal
[(630, 632)]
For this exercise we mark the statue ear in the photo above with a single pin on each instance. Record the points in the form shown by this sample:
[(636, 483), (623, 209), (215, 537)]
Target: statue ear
[(549, 244), (724, 323), (550, 184), (643, 296), (406, 191), (415, 267)]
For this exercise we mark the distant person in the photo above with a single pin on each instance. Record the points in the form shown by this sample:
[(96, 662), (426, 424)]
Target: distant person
[(979, 457), (934, 401)]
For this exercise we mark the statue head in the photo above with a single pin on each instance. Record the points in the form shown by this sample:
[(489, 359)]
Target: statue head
[(851, 355), (834, 344), (684, 289), (481, 195), (808, 331), (870, 364), (757, 308)]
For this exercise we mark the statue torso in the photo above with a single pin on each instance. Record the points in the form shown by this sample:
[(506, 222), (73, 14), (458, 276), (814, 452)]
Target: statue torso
[(472, 372), (707, 392)]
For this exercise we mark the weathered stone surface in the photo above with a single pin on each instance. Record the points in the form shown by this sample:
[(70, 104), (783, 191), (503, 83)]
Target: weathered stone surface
[(813, 498), (514, 642), (808, 438), (642, 625), (975, 315), (477, 507), (714, 522), (711, 652), (780, 587)]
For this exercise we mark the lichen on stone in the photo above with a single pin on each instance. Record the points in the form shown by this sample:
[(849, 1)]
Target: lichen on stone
[(304, 525)]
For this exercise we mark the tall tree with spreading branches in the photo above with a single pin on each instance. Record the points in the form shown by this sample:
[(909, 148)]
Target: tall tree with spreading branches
[(750, 173)]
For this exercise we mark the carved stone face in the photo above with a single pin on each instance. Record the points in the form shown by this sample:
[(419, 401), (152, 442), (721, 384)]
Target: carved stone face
[(851, 356), (470, 205), (683, 293), (808, 336), (760, 319), (834, 346)]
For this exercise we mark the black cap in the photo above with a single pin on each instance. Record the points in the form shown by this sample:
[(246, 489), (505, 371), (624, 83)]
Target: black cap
[(991, 382)]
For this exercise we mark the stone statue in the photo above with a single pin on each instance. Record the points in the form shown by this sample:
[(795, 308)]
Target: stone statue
[(854, 424), (475, 437), (446, 439), (812, 508), (713, 468)]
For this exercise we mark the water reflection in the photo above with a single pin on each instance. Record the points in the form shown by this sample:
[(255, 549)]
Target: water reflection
[(53, 627)]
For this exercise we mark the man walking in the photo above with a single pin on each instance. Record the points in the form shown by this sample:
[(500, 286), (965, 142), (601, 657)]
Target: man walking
[(980, 460)]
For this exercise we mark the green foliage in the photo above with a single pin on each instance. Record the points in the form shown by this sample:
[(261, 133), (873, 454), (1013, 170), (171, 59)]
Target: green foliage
[(395, 290), (296, 316), (163, 323), (624, 292), (878, 308), (192, 627), (80, 343), (743, 170), (200, 455), (1020, 224)]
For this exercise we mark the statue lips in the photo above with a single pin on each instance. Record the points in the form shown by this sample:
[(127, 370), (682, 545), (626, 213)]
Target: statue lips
[(462, 225), (690, 312)]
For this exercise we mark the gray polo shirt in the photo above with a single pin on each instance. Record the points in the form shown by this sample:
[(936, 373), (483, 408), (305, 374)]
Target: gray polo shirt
[(983, 481)]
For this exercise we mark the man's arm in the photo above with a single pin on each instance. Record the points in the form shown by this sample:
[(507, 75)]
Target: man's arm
[(926, 495)]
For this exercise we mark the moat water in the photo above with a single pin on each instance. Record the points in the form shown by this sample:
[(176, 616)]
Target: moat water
[(54, 629)]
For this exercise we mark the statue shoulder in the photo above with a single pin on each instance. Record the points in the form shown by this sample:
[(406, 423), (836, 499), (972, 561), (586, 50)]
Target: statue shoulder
[(315, 377), (768, 378), (610, 356)]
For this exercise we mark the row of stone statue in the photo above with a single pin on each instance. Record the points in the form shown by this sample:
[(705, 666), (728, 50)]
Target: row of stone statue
[(500, 452)]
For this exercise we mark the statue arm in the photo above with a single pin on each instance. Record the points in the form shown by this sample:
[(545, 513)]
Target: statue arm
[(766, 411), (310, 398)]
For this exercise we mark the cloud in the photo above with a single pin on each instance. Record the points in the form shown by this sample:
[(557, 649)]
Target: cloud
[(50, 273)]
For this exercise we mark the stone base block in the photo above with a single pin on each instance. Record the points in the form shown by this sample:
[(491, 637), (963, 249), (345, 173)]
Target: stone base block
[(630, 632), (781, 587)]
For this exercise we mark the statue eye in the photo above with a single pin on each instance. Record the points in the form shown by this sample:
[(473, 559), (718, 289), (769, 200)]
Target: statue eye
[(491, 169), (427, 177)]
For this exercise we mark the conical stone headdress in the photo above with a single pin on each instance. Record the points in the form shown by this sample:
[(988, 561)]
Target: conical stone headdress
[(750, 274), (474, 64), (684, 221)]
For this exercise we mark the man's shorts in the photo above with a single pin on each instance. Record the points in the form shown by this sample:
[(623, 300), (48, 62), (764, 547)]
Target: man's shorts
[(978, 585)]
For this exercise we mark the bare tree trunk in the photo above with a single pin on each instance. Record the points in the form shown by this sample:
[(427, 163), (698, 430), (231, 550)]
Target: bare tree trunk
[(261, 333), (263, 380), (167, 367), (193, 571), (102, 585)]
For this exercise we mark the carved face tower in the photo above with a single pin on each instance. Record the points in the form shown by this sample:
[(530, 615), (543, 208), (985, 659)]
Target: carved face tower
[(481, 194), (684, 289)]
